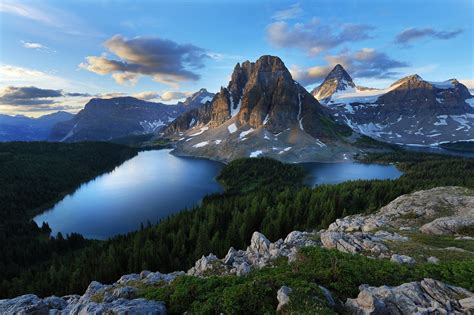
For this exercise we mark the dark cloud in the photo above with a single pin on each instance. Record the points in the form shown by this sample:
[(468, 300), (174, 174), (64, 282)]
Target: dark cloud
[(364, 63), (33, 96), (315, 37), (164, 60), (413, 34), (77, 94)]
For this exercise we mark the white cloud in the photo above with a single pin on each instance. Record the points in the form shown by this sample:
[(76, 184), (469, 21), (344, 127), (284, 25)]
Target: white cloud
[(292, 12), (174, 95), (147, 95)]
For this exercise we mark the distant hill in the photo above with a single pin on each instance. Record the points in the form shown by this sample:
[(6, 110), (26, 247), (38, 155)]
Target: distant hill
[(22, 128)]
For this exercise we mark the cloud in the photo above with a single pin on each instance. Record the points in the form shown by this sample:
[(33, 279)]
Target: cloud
[(292, 12), (170, 95), (36, 46), (50, 16), (147, 95), (363, 63), (77, 94), (33, 96), (26, 12), (33, 45), (314, 37), (165, 61), (410, 35)]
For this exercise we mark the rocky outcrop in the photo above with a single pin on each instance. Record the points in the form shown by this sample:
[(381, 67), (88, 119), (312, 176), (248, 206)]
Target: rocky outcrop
[(426, 297), (438, 211), (117, 298), (259, 254)]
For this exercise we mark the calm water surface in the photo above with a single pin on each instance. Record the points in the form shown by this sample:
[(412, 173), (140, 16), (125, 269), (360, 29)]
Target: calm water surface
[(148, 187), (333, 173), (155, 184)]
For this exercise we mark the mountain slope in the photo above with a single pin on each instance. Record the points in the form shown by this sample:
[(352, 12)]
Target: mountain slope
[(411, 111), (262, 111), (106, 119), (22, 128)]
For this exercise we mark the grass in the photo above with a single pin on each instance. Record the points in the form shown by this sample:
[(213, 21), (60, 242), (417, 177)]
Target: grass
[(421, 246)]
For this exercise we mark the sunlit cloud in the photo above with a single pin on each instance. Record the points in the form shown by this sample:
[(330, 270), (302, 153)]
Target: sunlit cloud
[(165, 61)]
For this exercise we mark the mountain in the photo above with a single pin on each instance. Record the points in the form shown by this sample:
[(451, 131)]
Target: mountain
[(22, 128), (411, 111), (106, 119), (262, 111), (337, 80)]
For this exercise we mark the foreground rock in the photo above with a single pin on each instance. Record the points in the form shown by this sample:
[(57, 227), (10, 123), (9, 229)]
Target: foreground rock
[(438, 211), (426, 297)]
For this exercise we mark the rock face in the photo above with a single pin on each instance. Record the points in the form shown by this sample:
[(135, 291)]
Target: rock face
[(426, 297), (262, 111), (410, 111), (106, 119)]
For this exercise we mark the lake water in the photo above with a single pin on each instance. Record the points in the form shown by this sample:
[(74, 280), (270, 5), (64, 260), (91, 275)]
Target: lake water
[(155, 184), (149, 186), (333, 173)]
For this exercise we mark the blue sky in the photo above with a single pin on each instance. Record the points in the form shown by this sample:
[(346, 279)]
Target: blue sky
[(164, 50)]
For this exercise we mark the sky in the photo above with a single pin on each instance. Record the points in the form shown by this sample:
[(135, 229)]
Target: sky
[(56, 55)]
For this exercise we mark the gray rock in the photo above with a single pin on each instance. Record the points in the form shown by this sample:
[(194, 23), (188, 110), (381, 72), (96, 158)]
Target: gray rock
[(328, 296), (121, 307), (23, 305), (283, 297), (54, 302), (433, 260), (402, 259), (127, 278), (426, 297), (259, 243)]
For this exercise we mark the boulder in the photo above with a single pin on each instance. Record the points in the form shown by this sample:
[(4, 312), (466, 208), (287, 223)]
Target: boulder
[(426, 297), (283, 297), (402, 259)]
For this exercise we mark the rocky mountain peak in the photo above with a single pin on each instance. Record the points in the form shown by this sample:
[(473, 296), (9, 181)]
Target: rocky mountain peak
[(410, 80), (337, 80)]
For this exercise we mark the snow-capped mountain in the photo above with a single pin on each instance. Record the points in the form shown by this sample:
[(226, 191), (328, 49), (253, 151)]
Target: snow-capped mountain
[(411, 111), (338, 80), (106, 119), (262, 112)]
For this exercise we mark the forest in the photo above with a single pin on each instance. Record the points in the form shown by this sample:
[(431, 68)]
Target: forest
[(33, 176), (229, 219)]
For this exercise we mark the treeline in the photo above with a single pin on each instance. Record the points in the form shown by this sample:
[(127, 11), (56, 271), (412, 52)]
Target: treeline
[(229, 219), (34, 175)]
